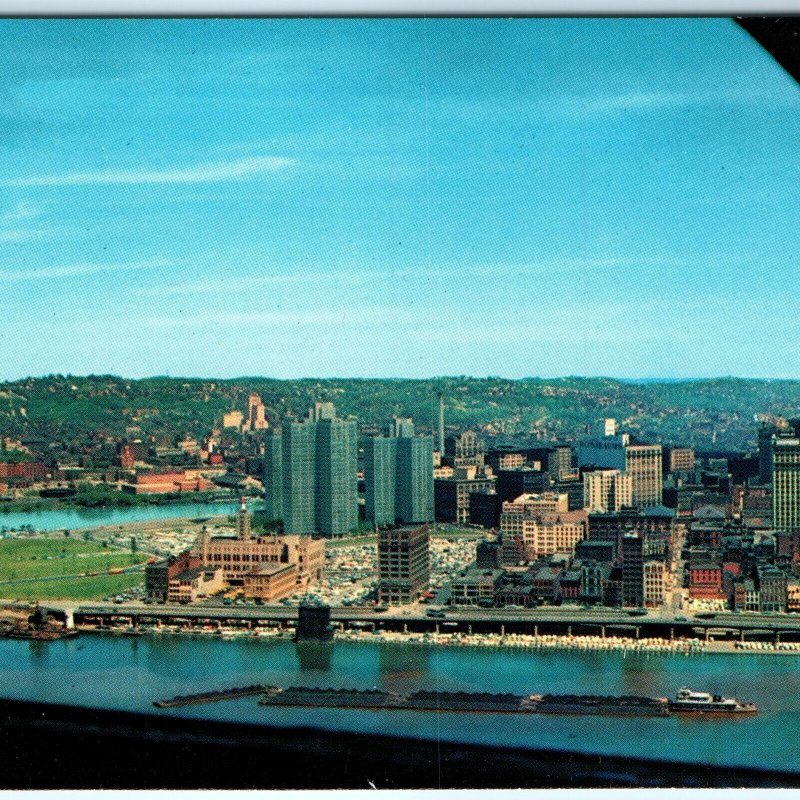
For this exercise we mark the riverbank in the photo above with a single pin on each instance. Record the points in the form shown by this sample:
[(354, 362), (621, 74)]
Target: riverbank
[(625, 645)]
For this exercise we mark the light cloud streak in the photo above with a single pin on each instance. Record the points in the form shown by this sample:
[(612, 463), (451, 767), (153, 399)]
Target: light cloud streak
[(327, 316), (237, 169), (77, 270), (301, 275), (21, 211)]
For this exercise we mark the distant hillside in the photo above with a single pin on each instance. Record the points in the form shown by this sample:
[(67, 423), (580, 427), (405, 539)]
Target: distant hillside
[(67, 407)]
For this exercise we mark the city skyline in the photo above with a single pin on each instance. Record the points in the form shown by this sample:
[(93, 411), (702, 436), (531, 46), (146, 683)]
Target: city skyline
[(396, 198)]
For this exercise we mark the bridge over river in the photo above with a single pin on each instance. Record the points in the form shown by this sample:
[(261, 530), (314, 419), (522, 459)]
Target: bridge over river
[(540, 621)]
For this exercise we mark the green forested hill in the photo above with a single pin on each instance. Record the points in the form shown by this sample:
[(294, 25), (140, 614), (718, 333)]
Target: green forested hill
[(65, 407)]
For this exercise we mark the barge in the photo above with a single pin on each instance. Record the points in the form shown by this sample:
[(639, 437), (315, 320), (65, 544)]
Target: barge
[(211, 697), (469, 702)]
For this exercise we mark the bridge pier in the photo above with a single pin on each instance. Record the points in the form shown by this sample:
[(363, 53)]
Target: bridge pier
[(69, 619), (535, 630), (602, 631), (470, 630), (569, 630), (502, 630), (672, 634), (405, 627), (638, 631)]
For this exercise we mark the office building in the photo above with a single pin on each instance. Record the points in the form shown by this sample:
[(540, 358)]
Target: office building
[(607, 490), (537, 504), (403, 562), (452, 494), (239, 556), (256, 414), (298, 467), (680, 459), (541, 534), (465, 450), (643, 462), (485, 509), (505, 458), (765, 436), (310, 479), (473, 586), (336, 477), (560, 460), (632, 570), (785, 482), (656, 583), (414, 487), (273, 476), (511, 483), (380, 479), (654, 525)]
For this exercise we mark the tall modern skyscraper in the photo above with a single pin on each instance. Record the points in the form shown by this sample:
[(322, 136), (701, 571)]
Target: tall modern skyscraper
[(414, 497), (380, 479), (310, 479), (336, 478), (273, 475), (785, 483), (299, 476)]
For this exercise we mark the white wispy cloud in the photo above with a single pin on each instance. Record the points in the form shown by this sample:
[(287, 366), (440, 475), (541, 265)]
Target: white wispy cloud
[(19, 213), (76, 270), (299, 275), (325, 316), (201, 173), (20, 235)]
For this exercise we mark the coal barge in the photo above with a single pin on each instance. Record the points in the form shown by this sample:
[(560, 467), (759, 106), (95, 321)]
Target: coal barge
[(469, 702), (211, 697), (376, 699)]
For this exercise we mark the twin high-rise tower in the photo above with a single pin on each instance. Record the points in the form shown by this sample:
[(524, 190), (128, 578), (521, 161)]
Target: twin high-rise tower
[(310, 476), (398, 476)]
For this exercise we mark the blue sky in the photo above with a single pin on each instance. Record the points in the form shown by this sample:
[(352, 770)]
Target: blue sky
[(396, 198)]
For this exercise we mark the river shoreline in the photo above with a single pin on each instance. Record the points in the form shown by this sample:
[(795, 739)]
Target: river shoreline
[(652, 646)]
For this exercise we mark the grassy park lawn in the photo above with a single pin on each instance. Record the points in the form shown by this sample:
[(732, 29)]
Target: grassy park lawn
[(34, 559)]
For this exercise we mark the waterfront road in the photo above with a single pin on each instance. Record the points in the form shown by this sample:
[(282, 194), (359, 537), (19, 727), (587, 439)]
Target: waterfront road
[(419, 616)]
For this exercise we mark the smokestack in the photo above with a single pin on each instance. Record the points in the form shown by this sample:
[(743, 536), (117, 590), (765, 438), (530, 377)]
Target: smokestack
[(441, 423)]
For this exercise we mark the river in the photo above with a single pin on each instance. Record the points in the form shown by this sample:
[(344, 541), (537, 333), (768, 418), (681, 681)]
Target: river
[(72, 517), (130, 673)]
